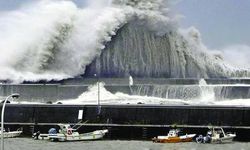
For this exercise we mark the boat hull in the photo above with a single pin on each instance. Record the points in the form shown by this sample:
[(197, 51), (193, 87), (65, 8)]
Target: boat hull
[(227, 139), (172, 140), (11, 134), (185, 138), (89, 137), (75, 136)]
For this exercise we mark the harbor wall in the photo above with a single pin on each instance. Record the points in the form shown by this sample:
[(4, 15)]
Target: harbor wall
[(141, 121), (130, 114), (187, 89)]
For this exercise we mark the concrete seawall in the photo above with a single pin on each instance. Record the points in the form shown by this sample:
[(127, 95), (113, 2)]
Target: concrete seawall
[(142, 121), (54, 92)]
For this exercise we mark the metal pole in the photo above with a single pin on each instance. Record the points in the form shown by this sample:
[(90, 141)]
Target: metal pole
[(98, 90), (98, 94), (2, 117), (2, 120), (98, 84)]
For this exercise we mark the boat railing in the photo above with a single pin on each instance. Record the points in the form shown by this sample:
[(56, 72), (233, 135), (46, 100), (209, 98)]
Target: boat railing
[(77, 126)]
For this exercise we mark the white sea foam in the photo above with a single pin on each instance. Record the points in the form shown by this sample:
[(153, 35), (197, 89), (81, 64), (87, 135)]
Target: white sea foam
[(231, 59), (53, 39), (106, 97)]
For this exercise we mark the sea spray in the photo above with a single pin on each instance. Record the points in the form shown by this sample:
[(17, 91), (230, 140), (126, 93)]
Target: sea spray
[(53, 40), (106, 97), (207, 93)]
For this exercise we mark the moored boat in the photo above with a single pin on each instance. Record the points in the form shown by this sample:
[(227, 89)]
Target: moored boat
[(216, 135), (174, 136), (66, 133), (11, 134)]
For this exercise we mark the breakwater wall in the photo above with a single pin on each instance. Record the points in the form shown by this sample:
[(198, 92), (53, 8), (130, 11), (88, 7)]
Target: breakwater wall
[(187, 89), (131, 121)]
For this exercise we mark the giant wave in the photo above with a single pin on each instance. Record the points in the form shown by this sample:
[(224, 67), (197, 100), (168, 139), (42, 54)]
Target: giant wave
[(54, 40)]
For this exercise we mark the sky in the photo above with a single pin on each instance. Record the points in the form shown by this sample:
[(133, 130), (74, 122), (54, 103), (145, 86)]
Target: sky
[(221, 22)]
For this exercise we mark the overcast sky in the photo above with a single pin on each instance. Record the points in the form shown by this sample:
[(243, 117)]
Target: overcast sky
[(221, 22)]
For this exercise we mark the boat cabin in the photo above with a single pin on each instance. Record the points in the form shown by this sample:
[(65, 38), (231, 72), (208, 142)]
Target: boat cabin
[(66, 129)]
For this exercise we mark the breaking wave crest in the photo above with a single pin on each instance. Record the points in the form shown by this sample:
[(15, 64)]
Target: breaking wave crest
[(54, 40), (49, 39)]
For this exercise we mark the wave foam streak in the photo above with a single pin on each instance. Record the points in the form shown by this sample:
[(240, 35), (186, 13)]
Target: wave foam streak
[(56, 39), (106, 97)]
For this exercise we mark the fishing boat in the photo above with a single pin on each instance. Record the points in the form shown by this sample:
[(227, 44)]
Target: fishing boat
[(216, 135), (66, 133), (11, 134), (174, 136)]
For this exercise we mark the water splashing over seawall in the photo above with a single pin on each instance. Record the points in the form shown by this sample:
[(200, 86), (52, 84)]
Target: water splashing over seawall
[(54, 40)]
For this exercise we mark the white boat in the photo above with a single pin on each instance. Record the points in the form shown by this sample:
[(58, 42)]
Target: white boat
[(66, 133), (11, 134), (216, 135)]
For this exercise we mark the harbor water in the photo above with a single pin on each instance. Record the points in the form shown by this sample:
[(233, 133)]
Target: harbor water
[(30, 144)]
